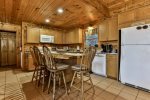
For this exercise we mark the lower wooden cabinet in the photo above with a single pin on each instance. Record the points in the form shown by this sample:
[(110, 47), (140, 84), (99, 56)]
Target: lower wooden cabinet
[(28, 64), (112, 65)]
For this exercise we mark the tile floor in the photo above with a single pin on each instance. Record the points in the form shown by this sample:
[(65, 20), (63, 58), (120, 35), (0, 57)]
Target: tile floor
[(16, 85)]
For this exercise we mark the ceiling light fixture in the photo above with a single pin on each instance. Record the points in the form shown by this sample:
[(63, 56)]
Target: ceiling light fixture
[(60, 10), (47, 20), (90, 28)]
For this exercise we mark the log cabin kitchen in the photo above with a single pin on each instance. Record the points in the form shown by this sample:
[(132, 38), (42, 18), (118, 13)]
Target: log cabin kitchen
[(74, 49)]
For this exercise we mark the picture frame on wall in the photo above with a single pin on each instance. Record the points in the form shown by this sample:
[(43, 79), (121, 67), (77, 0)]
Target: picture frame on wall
[(91, 37)]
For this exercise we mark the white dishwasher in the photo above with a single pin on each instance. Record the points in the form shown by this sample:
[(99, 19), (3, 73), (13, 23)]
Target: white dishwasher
[(99, 64)]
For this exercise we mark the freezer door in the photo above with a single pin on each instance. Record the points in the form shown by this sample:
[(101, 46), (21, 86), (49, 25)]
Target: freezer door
[(135, 65), (133, 36)]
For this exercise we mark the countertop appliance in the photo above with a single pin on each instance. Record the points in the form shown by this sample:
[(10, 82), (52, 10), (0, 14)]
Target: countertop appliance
[(99, 64), (46, 39), (135, 56), (107, 48)]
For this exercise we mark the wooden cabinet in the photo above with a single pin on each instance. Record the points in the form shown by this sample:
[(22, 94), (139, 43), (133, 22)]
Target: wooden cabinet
[(33, 35), (58, 38), (28, 62), (112, 65), (127, 17), (57, 35), (142, 13), (113, 29), (103, 31), (73, 36), (108, 30)]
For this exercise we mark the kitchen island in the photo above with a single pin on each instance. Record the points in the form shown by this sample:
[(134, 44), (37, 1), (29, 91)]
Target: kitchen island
[(64, 57)]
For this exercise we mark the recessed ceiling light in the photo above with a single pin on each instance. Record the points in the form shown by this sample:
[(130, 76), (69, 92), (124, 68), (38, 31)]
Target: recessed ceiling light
[(60, 10), (47, 20)]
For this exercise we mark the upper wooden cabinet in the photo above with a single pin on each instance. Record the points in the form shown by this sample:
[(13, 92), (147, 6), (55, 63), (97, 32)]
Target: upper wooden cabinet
[(58, 37), (142, 13), (73, 36), (33, 35), (113, 29), (108, 30), (126, 17), (134, 17), (103, 31)]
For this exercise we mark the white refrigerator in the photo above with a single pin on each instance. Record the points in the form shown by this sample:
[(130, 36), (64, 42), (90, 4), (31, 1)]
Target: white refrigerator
[(135, 56)]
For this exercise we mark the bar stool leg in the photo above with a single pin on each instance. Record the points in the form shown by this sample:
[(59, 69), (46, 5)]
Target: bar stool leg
[(54, 84), (33, 74), (82, 86), (43, 83), (49, 81), (91, 83), (39, 77), (65, 82), (73, 79)]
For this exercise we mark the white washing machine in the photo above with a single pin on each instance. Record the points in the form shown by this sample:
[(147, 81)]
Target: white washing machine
[(99, 64)]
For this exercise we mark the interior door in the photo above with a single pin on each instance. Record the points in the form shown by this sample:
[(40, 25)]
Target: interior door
[(11, 49), (4, 49), (8, 48)]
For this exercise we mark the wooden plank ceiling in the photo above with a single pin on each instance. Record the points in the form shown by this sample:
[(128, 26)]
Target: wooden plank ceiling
[(76, 12)]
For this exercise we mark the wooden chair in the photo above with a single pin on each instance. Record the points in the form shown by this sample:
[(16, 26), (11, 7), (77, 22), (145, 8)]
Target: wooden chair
[(93, 52), (56, 70), (83, 70), (40, 68), (35, 74)]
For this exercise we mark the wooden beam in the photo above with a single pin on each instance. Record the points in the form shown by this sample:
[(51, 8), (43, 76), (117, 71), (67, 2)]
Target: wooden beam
[(99, 5)]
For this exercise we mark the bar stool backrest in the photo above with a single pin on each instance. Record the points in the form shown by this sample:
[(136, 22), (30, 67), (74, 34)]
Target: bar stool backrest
[(87, 58), (35, 63), (50, 63), (38, 56), (84, 64), (92, 52)]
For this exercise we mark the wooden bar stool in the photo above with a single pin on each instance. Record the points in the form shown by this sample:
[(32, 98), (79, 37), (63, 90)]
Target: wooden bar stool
[(40, 68), (83, 70), (56, 70), (35, 73)]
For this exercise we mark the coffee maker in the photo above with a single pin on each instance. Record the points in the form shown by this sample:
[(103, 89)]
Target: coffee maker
[(107, 48)]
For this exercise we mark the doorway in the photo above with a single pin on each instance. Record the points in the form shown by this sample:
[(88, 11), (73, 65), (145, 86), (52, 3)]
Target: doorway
[(7, 48)]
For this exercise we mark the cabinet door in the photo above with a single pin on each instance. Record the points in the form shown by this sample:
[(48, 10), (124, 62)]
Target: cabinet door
[(112, 68), (127, 17), (58, 37), (66, 38), (142, 13), (103, 31), (73, 36), (78, 36), (33, 35), (113, 29)]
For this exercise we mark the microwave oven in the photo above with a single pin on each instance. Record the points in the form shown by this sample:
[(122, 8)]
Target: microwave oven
[(46, 39)]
